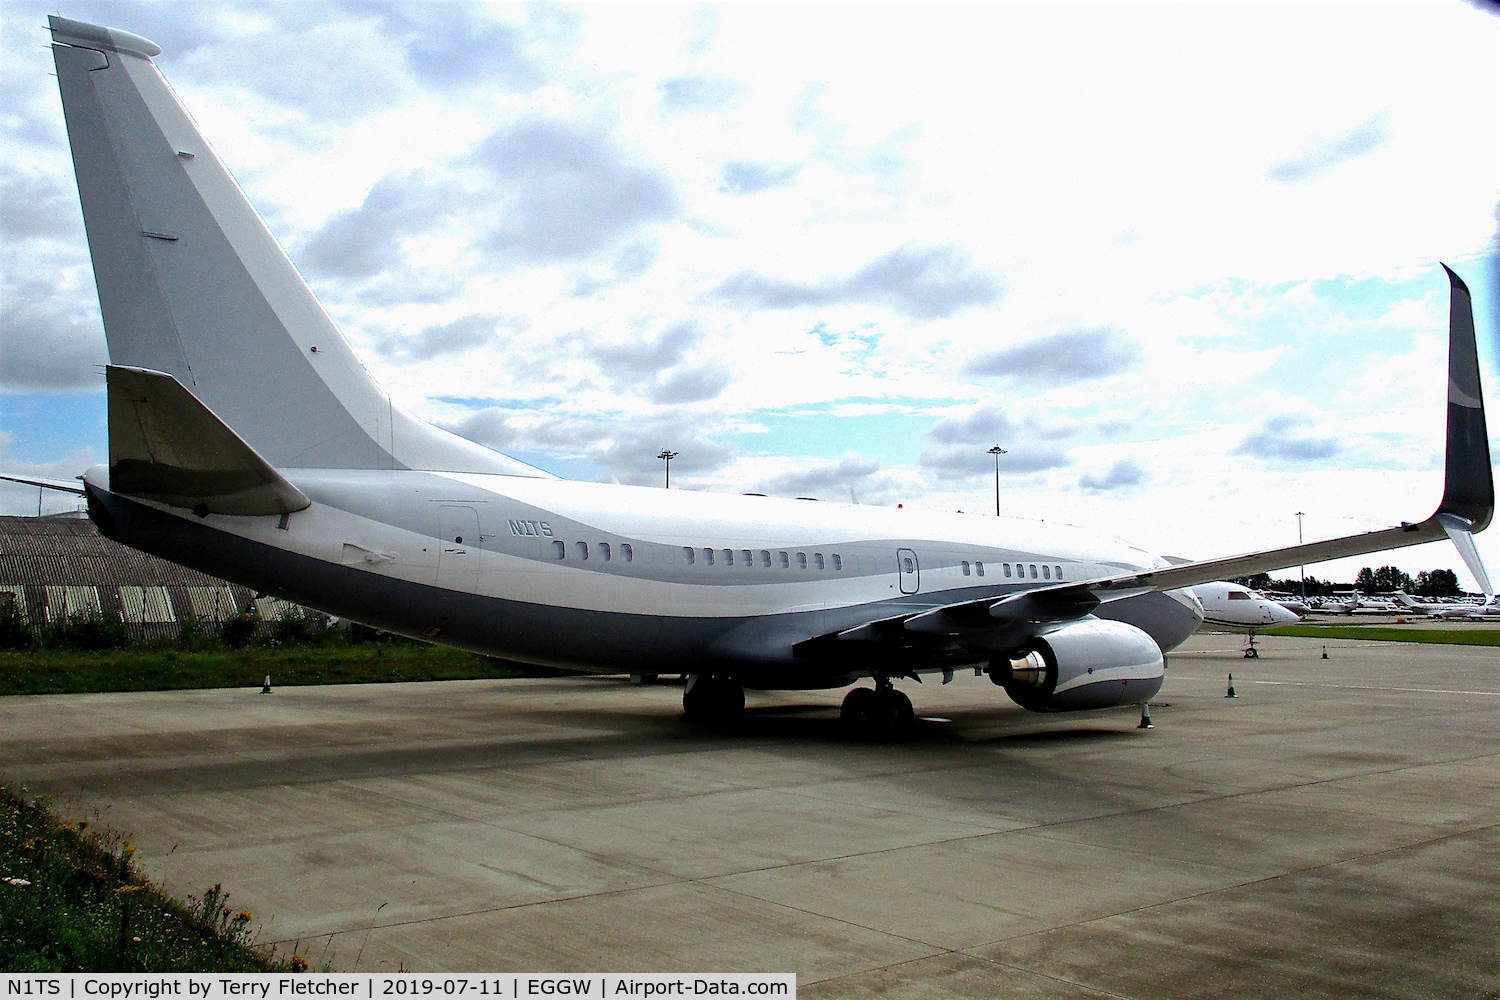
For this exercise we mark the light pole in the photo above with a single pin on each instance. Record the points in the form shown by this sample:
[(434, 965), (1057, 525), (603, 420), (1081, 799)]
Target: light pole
[(997, 451), (667, 456), (1301, 570)]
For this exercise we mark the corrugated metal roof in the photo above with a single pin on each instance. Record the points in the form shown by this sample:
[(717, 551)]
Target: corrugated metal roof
[(62, 566), (55, 552)]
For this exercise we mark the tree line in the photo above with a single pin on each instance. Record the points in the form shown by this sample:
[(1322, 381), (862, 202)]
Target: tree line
[(1434, 583)]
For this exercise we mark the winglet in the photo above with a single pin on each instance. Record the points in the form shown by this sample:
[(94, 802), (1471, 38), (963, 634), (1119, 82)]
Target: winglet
[(1469, 486), (165, 445)]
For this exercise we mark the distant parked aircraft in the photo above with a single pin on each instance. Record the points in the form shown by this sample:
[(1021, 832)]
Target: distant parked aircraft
[(1232, 606), (1448, 609), (1435, 609)]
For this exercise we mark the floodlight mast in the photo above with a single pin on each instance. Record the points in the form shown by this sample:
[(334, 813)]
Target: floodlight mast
[(1301, 570), (667, 456), (997, 451)]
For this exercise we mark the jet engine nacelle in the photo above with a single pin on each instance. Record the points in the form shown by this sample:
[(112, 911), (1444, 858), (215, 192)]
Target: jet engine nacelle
[(1086, 664)]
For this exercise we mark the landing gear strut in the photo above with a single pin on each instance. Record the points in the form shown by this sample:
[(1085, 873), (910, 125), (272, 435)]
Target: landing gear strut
[(1251, 653), (879, 713), (712, 698)]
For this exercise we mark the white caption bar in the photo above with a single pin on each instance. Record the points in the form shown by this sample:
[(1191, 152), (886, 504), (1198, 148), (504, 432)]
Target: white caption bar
[(405, 986)]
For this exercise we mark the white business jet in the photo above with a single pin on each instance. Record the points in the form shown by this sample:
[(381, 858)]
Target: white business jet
[(1231, 606), (1437, 609), (246, 440)]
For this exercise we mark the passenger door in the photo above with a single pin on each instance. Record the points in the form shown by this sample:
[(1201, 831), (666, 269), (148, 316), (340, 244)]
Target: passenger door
[(458, 555), (908, 571)]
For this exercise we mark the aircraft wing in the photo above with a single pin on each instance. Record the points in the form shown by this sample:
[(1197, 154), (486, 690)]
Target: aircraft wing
[(1467, 506), (1468, 489), (61, 485), (165, 445)]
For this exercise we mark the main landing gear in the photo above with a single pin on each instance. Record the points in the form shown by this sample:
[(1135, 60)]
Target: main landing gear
[(712, 698), (879, 713)]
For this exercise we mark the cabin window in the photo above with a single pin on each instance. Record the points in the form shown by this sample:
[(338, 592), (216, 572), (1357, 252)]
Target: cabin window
[(786, 562), (582, 549), (1033, 571), (626, 552), (745, 559), (708, 556), (907, 565), (559, 550), (1057, 572), (1046, 572), (966, 568), (687, 553), (978, 568), (765, 558), (838, 563), (729, 557), (802, 560), (1006, 567), (818, 560), (604, 551)]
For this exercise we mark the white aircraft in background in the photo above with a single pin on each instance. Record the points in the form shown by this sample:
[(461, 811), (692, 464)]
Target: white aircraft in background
[(1231, 606), (246, 440), (1444, 609), (1435, 609), (1295, 605), (1377, 605), (1357, 605)]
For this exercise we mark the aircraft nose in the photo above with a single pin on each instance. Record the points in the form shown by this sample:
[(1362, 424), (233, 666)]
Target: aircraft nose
[(1285, 614)]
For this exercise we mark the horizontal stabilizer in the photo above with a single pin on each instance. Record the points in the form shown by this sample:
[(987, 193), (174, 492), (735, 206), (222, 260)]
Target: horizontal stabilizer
[(61, 485), (165, 445)]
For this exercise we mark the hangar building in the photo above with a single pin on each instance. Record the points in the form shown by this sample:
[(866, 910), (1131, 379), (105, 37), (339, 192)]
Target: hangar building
[(59, 566)]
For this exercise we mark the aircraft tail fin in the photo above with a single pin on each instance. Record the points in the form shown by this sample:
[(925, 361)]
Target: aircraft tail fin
[(192, 283)]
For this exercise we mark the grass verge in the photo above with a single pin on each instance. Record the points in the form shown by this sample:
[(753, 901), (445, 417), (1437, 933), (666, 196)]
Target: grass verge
[(145, 669), (72, 901), (1386, 633)]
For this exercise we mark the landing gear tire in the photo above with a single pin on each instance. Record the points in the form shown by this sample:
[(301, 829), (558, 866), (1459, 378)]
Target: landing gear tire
[(1252, 653), (858, 706), (879, 714), (712, 698)]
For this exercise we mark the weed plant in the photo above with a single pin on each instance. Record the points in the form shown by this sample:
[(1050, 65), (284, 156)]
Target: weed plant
[(15, 633), (86, 630), (72, 901)]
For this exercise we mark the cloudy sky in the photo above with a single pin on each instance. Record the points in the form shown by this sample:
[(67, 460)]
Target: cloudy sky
[(1180, 260)]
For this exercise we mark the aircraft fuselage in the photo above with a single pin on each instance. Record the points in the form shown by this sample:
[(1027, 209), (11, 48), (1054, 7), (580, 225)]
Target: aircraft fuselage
[(631, 579)]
